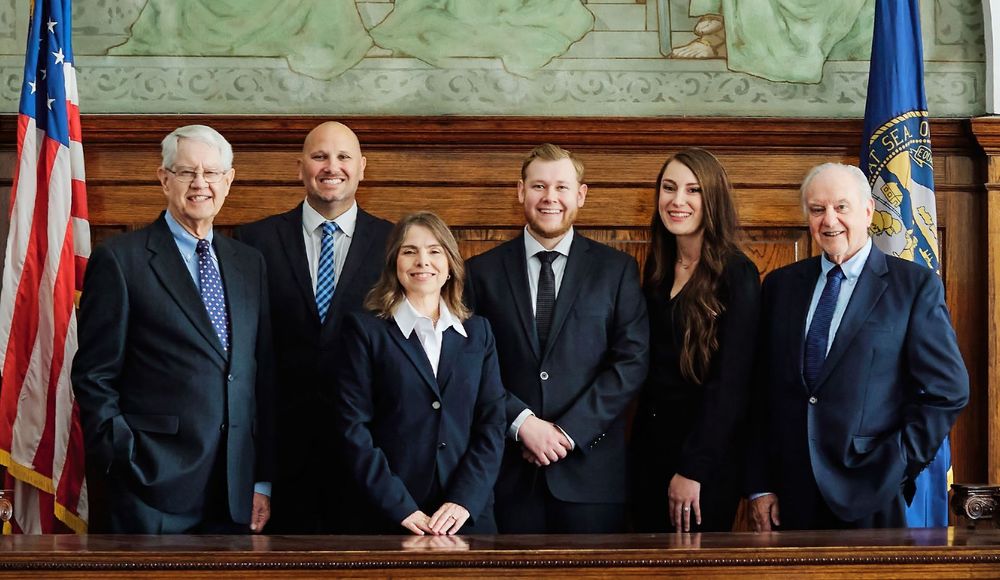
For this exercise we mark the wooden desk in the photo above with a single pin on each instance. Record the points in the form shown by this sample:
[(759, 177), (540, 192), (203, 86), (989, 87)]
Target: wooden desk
[(877, 554)]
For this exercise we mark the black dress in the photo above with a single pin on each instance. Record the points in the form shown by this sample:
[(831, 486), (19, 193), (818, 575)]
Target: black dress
[(690, 429)]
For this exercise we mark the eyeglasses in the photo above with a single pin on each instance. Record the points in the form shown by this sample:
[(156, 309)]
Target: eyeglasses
[(189, 175)]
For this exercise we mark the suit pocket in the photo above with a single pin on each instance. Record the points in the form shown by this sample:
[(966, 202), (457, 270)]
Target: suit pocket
[(862, 444), (166, 424)]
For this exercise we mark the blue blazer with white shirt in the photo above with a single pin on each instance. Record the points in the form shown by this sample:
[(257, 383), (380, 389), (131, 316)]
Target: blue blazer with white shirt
[(888, 392), (413, 440)]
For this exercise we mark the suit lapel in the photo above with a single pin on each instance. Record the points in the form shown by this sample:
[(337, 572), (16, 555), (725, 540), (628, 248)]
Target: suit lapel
[(577, 268), (293, 243), (870, 287), (356, 255), (169, 268), (415, 352), (800, 314), (451, 343), (516, 265), (235, 283)]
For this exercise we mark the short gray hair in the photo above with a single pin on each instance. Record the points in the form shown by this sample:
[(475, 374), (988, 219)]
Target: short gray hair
[(863, 189), (202, 133)]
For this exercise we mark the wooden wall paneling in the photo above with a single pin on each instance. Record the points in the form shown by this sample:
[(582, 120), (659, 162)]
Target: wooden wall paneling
[(466, 169)]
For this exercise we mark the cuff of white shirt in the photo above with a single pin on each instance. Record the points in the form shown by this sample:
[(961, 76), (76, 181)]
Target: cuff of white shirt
[(754, 496), (572, 444), (522, 417), (263, 488), (515, 426)]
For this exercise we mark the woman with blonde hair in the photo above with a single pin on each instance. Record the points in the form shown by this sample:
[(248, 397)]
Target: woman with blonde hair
[(419, 402)]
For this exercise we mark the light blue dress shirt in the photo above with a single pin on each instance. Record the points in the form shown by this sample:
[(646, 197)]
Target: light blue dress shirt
[(852, 271)]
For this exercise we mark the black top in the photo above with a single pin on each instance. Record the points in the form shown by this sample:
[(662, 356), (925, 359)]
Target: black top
[(703, 421)]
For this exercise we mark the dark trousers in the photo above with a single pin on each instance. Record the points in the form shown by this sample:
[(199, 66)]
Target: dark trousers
[(537, 511), (812, 513), (129, 514)]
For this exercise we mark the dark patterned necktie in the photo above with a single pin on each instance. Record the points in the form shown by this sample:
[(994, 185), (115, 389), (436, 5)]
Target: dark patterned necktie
[(212, 294), (546, 300), (326, 273), (819, 330)]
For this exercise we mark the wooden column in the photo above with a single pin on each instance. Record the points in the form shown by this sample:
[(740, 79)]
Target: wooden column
[(987, 132)]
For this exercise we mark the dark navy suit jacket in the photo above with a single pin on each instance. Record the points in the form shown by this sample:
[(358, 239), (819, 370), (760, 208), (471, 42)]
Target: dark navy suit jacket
[(593, 366), (158, 395), (889, 391), (407, 432)]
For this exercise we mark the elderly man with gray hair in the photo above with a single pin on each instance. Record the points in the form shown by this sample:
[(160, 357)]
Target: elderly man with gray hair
[(860, 377), (173, 371)]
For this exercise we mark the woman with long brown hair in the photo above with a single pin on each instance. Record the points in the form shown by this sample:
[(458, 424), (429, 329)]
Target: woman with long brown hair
[(419, 402), (703, 297)]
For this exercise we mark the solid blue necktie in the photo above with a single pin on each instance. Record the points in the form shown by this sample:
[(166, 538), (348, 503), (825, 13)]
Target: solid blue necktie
[(211, 292), (326, 274), (819, 330)]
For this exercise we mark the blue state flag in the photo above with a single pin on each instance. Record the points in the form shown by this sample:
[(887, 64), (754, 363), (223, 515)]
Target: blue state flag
[(896, 157)]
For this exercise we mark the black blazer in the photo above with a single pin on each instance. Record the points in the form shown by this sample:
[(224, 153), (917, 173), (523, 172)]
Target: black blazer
[(594, 364), (408, 432), (158, 396), (307, 352), (890, 389)]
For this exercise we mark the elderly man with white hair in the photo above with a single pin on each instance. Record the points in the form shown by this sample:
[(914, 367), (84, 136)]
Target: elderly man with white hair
[(860, 377), (173, 371)]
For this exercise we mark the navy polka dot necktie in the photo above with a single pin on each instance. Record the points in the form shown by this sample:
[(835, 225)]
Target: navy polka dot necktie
[(212, 294)]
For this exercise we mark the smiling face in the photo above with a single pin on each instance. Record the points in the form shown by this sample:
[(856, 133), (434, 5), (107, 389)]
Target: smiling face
[(331, 167), (551, 195), (680, 201), (421, 264), (839, 215), (195, 204)]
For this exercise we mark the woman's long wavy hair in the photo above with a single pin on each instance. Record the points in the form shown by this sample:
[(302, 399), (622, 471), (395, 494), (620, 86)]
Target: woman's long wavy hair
[(388, 292), (700, 304)]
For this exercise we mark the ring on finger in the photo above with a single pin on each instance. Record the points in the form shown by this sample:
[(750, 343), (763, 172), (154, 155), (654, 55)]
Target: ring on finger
[(686, 508)]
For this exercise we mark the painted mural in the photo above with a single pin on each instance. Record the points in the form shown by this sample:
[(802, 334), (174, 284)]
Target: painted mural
[(503, 57)]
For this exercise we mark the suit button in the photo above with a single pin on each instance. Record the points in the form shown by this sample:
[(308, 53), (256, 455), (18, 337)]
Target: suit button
[(813, 400), (223, 427), (436, 405), (544, 376), (442, 445), (229, 378)]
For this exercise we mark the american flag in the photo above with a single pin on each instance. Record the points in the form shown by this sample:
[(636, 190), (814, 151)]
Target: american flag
[(41, 442)]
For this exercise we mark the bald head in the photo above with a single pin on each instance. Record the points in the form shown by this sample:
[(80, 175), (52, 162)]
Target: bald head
[(331, 167)]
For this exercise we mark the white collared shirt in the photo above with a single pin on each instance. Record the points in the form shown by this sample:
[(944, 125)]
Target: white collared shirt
[(532, 247), (312, 232), (430, 335)]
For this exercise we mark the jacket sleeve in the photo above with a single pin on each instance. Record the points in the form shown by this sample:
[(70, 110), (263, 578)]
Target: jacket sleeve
[(726, 390), (354, 411), (102, 328), (477, 471), (936, 374), (264, 387), (627, 362)]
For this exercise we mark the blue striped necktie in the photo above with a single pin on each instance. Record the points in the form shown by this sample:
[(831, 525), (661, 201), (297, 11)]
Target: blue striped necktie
[(211, 292), (819, 330), (326, 274)]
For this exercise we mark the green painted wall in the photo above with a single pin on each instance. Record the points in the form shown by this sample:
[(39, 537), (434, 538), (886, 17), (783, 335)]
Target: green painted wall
[(495, 57)]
